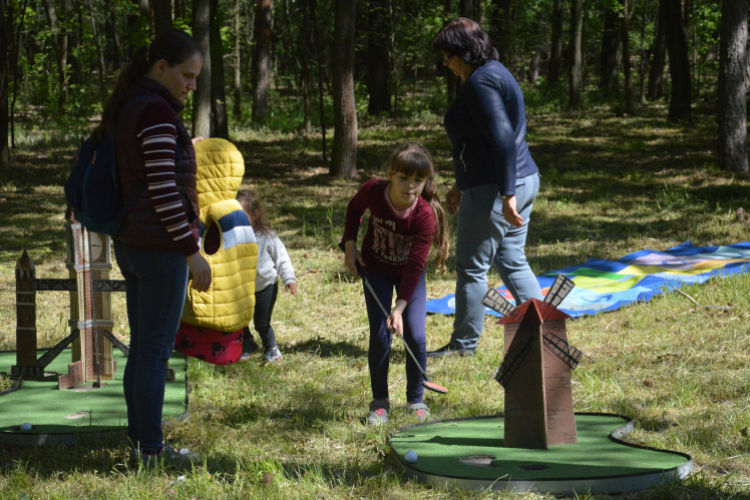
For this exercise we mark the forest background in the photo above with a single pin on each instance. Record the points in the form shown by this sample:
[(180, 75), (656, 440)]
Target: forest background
[(637, 120)]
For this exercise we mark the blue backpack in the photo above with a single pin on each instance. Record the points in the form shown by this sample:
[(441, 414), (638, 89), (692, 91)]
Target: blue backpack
[(92, 191)]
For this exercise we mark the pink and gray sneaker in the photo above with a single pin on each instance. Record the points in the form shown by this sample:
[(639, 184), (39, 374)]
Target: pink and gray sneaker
[(378, 412)]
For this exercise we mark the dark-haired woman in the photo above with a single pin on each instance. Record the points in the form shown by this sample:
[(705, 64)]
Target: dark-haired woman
[(496, 179), (158, 240)]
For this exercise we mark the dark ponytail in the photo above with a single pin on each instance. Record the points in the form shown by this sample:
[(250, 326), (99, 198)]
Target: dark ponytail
[(173, 46), (414, 159)]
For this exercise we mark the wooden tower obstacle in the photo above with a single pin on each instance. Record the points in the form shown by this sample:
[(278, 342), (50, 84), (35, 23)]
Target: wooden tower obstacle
[(536, 370), (89, 263)]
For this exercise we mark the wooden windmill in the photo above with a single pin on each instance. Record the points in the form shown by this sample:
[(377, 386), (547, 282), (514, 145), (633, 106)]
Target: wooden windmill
[(536, 369)]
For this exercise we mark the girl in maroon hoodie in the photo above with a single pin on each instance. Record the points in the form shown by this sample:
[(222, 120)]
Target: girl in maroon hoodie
[(405, 219)]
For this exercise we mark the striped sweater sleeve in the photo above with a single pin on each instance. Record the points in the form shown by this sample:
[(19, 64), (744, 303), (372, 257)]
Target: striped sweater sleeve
[(157, 134)]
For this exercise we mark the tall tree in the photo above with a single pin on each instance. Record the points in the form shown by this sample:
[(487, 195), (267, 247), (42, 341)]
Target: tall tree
[(679, 63), (202, 95), (237, 80), (733, 85), (4, 38), (378, 58), (100, 53), (60, 46), (305, 45), (219, 125), (162, 15), (500, 23), (610, 45), (626, 68), (312, 7), (556, 49), (659, 59), (576, 53), (344, 154), (471, 9), (261, 74)]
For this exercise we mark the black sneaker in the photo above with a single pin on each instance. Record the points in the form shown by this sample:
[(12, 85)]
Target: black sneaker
[(449, 350)]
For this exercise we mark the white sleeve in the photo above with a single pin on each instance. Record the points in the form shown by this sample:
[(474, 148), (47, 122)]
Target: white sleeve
[(282, 262)]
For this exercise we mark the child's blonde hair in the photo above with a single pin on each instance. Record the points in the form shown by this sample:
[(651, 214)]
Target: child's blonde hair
[(413, 159), (254, 209)]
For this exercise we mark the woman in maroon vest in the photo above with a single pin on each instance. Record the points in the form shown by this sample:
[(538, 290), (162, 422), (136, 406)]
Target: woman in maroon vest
[(159, 237)]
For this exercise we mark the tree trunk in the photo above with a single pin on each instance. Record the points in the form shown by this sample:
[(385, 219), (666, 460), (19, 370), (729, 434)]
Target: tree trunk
[(679, 63), (13, 62), (100, 53), (179, 9), (202, 95), (344, 154), (642, 72), (556, 50), (162, 15), (262, 60), (219, 125), (733, 84), (4, 39), (112, 37), (60, 46), (626, 69), (536, 61), (378, 58), (659, 59), (471, 9), (305, 45), (500, 19), (576, 34), (610, 45), (312, 5), (237, 81)]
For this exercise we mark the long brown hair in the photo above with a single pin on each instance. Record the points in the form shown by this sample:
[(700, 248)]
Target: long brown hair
[(413, 159), (173, 46), (254, 209)]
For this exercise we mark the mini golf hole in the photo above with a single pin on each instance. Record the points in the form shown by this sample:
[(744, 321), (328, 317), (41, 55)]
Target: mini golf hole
[(78, 414), (535, 467), (478, 460), (18, 428)]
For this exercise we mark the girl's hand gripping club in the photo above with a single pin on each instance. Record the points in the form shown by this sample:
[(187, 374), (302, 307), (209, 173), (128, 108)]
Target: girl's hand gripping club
[(426, 383)]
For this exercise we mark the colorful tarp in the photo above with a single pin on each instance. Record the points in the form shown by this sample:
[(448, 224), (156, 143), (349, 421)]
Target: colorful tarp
[(605, 285)]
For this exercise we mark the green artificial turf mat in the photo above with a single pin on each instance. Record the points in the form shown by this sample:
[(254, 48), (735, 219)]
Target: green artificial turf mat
[(54, 411), (439, 446)]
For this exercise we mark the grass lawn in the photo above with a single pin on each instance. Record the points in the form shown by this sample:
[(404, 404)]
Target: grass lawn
[(611, 185)]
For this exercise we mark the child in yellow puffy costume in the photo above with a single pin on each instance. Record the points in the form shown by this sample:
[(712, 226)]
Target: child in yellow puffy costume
[(229, 245)]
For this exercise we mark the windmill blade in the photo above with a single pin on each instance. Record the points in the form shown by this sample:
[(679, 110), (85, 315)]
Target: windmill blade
[(559, 290), (513, 361), (560, 348), (496, 302)]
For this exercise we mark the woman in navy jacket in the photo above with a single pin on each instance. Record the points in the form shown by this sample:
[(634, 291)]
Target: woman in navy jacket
[(497, 181)]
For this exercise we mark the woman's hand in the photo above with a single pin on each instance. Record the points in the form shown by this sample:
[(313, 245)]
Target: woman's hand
[(510, 213), (395, 322), (201, 272), (196, 140), (352, 256), (291, 288), (452, 199)]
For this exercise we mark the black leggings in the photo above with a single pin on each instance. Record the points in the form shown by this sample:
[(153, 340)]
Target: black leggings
[(264, 302)]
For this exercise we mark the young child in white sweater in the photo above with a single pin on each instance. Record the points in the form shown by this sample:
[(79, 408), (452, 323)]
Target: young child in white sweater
[(273, 262)]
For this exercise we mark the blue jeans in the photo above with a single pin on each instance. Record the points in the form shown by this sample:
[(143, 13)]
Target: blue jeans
[(483, 239), (156, 287), (414, 317)]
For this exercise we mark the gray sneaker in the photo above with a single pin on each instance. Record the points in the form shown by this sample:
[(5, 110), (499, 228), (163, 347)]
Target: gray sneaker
[(168, 456), (272, 355), (378, 412), (419, 410)]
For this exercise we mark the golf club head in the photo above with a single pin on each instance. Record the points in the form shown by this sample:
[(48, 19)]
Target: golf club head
[(434, 387)]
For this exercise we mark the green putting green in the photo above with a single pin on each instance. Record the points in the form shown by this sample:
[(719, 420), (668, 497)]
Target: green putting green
[(473, 449), (70, 411)]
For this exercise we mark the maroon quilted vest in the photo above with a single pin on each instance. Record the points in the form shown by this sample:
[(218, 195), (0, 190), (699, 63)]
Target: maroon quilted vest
[(141, 226)]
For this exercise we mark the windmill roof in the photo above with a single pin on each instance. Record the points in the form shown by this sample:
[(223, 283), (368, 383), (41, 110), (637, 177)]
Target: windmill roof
[(537, 311)]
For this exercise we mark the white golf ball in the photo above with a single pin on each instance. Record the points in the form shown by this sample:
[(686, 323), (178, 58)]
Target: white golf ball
[(410, 457), (26, 426)]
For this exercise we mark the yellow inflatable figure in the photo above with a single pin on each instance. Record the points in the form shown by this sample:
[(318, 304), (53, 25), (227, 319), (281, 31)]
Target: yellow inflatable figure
[(227, 242)]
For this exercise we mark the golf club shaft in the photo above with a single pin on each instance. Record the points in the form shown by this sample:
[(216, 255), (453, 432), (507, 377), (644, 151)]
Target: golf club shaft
[(372, 292)]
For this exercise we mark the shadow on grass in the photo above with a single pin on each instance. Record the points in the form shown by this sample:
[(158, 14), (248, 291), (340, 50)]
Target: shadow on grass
[(327, 349)]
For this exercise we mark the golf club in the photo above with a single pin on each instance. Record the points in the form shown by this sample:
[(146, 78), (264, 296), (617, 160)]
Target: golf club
[(427, 384)]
